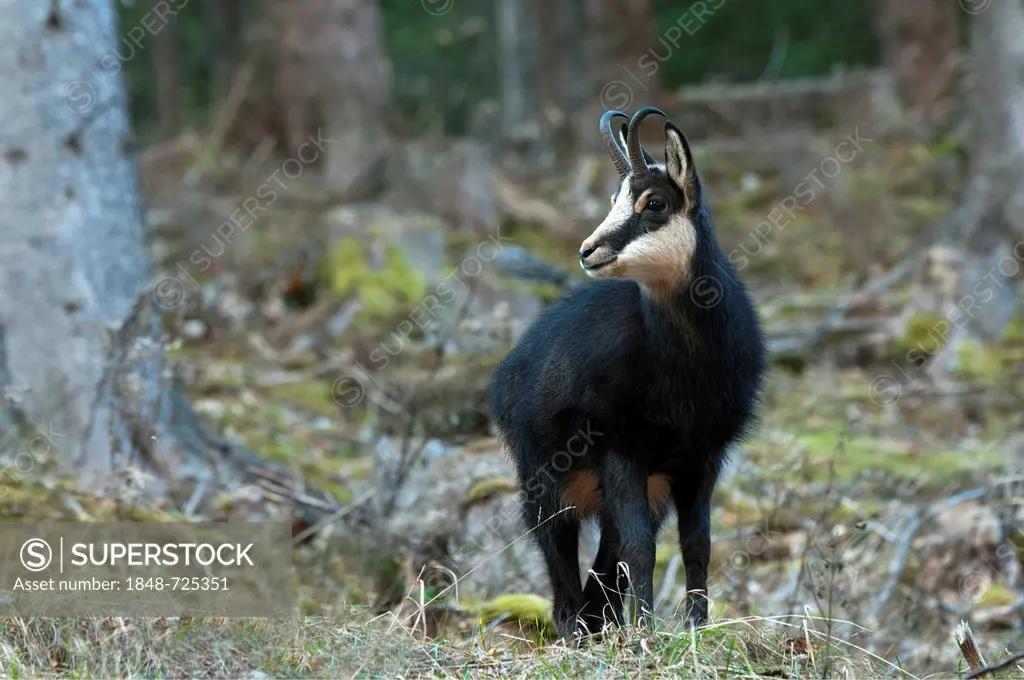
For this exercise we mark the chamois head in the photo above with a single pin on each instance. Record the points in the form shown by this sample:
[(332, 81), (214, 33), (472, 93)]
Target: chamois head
[(651, 232)]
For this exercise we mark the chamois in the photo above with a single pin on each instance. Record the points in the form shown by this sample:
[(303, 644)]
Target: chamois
[(621, 399)]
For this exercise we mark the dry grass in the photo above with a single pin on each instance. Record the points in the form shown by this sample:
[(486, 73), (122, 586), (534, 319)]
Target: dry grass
[(355, 646)]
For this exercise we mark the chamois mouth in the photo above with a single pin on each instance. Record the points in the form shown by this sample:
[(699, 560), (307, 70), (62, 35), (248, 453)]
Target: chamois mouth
[(593, 267)]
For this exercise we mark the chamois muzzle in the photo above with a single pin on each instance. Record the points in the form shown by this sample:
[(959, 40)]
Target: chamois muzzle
[(593, 257)]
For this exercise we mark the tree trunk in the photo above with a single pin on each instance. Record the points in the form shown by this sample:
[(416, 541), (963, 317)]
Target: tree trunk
[(562, 75), (80, 335), (224, 20), (618, 75), (333, 63), (167, 74), (920, 44), (517, 73), (989, 223)]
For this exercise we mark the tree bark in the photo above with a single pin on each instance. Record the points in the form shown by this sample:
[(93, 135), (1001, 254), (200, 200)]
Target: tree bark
[(562, 75), (167, 74), (224, 20), (988, 225), (920, 44), (621, 32), (333, 63), (518, 77), (80, 333)]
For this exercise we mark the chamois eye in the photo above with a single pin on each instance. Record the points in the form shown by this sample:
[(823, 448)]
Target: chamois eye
[(656, 205)]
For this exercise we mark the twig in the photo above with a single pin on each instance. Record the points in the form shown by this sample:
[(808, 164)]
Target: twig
[(964, 639), (899, 559), (193, 502), (896, 565), (332, 518), (221, 124), (875, 286), (275, 485), (998, 666)]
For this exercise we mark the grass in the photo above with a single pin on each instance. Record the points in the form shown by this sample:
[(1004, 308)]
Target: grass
[(354, 645)]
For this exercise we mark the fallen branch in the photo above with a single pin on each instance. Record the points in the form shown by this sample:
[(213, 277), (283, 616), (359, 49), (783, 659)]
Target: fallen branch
[(279, 486), (521, 206), (332, 518), (899, 558), (872, 288), (998, 666)]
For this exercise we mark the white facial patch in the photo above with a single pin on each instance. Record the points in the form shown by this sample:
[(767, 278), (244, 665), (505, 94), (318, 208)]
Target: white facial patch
[(622, 210), (660, 258)]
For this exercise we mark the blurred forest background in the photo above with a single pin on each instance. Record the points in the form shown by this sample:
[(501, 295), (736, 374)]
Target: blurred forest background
[(259, 259)]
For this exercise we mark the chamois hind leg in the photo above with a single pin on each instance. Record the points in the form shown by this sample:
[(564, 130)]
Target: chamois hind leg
[(603, 591), (606, 584), (624, 484), (558, 539), (693, 510)]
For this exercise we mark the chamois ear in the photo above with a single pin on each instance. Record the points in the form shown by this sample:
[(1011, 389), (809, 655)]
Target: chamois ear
[(679, 162)]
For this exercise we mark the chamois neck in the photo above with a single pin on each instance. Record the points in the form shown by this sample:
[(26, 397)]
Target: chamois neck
[(694, 308)]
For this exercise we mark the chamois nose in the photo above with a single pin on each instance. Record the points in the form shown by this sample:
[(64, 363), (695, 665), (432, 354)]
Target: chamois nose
[(594, 255), (585, 252)]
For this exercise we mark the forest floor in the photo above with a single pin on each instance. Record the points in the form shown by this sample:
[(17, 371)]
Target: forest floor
[(353, 647), (853, 533)]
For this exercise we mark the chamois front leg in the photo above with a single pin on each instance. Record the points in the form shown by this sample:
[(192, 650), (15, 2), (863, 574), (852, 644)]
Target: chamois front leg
[(624, 484), (693, 510)]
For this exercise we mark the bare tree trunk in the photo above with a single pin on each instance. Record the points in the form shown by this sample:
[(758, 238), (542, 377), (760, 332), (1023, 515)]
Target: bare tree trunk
[(989, 224), (555, 85), (224, 20), (167, 72), (80, 337), (333, 63), (517, 72), (561, 75), (618, 76), (920, 44)]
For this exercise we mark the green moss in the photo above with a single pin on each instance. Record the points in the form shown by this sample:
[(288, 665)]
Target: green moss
[(923, 208), (486, 488), (975, 361), (347, 265), (997, 595), (1015, 329), (922, 336), (408, 284), (816, 452), (383, 291), (310, 395), (530, 610), (547, 292), (25, 500), (360, 470), (545, 244), (869, 454), (944, 147)]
